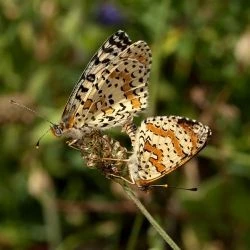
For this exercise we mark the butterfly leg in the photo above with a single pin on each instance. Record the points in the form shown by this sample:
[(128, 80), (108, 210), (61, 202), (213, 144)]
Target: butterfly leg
[(113, 159), (121, 178), (71, 142)]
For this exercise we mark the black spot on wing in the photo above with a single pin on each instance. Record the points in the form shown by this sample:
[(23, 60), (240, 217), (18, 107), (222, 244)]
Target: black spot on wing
[(83, 89), (90, 77)]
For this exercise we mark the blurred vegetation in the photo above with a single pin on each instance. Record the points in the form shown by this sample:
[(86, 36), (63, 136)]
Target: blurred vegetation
[(201, 65)]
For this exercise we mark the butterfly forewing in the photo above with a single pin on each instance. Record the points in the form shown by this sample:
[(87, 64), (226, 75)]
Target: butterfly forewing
[(112, 47)]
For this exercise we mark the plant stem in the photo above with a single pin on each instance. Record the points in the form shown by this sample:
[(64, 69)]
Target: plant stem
[(152, 221)]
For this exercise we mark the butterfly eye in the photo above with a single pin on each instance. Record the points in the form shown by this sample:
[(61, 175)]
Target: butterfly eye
[(56, 130)]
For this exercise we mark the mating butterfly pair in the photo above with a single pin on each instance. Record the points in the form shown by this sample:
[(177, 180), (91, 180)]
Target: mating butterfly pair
[(110, 92)]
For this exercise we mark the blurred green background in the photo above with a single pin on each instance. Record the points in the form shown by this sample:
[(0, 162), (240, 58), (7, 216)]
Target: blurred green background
[(201, 62)]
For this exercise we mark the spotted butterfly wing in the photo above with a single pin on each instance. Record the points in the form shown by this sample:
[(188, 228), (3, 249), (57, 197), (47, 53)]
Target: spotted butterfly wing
[(122, 92), (112, 89), (163, 144)]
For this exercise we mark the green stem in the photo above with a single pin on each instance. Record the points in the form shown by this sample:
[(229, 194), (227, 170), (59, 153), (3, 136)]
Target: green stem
[(152, 221)]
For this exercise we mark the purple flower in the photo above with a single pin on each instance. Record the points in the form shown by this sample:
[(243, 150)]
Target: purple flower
[(109, 14)]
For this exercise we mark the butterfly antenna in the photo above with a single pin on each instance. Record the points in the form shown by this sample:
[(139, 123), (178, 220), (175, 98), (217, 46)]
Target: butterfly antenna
[(38, 142), (31, 110), (166, 186), (194, 189), (35, 113)]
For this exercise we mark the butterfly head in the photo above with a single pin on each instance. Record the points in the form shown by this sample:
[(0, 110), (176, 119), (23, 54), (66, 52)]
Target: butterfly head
[(57, 129), (62, 129)]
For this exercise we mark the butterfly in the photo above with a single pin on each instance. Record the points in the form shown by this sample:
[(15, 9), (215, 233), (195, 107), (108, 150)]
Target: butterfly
[(161, 145), (111, 90)]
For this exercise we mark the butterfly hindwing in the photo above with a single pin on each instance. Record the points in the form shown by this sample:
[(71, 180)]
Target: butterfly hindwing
[(163, 144)]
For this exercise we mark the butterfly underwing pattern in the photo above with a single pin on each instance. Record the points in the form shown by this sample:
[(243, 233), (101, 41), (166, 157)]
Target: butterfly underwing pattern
[(162, 144), (111, 90)]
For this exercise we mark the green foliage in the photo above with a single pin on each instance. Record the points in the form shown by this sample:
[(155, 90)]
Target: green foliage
[(201, 62)]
